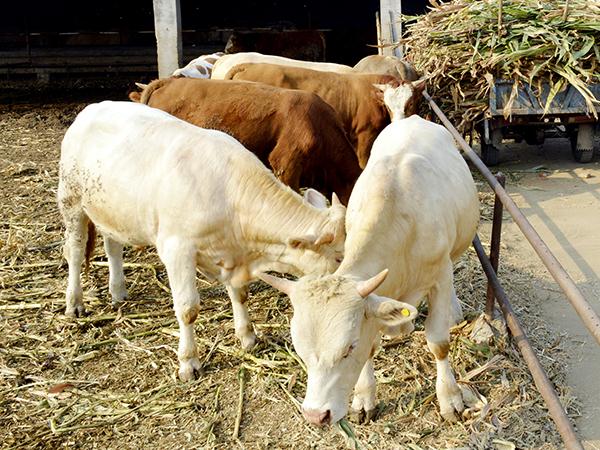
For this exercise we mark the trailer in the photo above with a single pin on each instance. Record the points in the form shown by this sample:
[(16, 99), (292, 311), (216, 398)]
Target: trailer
[(567, 116)]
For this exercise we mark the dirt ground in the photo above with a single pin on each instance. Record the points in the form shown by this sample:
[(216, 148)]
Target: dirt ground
[(108, 380), (561, 198)]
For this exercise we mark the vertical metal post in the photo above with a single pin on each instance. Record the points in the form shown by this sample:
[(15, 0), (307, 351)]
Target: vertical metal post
[(495, 246), (167, 26)]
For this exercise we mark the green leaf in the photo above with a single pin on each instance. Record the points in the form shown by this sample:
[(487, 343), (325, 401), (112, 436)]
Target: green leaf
[(585, 48)]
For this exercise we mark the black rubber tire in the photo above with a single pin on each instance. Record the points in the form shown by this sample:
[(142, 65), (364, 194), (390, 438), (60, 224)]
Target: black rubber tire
[(583, 155), (490, 155)]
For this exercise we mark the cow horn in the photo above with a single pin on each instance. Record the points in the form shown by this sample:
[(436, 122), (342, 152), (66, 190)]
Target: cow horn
[(141, 85), (281, 284), (364, 288), (325, 238), (335, 201)]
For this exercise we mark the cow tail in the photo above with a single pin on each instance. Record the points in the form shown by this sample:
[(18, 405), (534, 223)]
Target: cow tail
[(153, 86), (90, 244)]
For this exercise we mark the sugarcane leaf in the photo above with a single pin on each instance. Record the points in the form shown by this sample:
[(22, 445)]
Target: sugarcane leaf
[(554, 89), (585, 48)]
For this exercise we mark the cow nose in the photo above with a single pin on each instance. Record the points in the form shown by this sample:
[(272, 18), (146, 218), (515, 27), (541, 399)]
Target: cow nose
[(316, 417)]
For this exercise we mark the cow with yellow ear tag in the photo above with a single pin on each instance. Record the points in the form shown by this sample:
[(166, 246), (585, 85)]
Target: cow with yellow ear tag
[(413, 212)]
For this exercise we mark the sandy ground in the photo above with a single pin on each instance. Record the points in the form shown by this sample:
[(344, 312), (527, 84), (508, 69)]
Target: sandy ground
[(562, 201)]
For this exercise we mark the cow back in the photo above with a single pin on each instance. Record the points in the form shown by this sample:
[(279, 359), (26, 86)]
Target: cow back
[(294, 132), (353, 96)]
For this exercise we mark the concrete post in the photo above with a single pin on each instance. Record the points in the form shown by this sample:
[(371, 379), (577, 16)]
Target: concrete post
[(167, 26)]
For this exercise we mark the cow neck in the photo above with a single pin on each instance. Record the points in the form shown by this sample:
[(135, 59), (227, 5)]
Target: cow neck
[(359, 262), (280, 214)]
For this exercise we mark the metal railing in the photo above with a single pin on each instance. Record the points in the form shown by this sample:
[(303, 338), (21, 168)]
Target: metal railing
[(490, 267)]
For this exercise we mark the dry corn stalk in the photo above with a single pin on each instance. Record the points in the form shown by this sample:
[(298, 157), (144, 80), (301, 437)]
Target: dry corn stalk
[(462, 46)]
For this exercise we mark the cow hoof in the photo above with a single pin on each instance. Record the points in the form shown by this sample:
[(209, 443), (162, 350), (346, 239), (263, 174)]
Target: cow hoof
[(247, 341), (452, 405), (75, 311), (190, 370), (117, 299), (360, 416), (449, 416)]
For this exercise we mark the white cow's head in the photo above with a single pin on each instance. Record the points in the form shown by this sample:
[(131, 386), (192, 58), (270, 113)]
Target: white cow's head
[(335, 323), (320, 251), (402, 101)]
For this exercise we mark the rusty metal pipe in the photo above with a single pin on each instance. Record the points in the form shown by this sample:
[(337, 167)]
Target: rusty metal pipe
[(588, 316), (540, 378), (495, 246)]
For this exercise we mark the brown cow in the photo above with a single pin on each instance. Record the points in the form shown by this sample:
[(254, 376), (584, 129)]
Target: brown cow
[(354, 97), (295, 133)]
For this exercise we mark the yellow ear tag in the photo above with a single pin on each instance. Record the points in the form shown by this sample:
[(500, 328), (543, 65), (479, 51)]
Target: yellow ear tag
[(405, 312)]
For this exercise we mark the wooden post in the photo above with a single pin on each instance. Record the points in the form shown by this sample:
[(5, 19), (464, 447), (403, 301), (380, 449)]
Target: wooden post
[(378, 28), (390, 29), (167, 26)]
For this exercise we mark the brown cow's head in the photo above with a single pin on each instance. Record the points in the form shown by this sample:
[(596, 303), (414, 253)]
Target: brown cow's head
[(402, 101)]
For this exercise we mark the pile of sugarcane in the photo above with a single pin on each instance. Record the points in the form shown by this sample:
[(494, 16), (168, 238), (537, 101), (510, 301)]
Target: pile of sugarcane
[(462, 46)]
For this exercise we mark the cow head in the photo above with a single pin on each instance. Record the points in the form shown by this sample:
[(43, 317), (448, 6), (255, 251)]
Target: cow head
[(334, 327), (402, 101), (320, 251)]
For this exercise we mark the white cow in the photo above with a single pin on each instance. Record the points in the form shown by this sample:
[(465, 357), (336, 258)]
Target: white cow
[(144, 177), (227, 62), (201, 67), (412, 213)]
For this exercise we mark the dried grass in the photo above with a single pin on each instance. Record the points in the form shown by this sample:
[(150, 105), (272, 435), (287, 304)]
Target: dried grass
[(108, 380), (462, 46)]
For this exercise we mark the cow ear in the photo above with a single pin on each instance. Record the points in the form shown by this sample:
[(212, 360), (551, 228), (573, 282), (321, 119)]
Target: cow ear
[(302, 242), (325, 238), (380, 90), (135, 96), (419, 85), (315, 198), (389, 312)]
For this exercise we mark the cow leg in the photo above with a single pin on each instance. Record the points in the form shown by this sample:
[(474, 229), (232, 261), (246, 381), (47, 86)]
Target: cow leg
[(457, 312), (364, 401), (76, 234), (241, 320), (437, 333), (116, 276), (179, 257)]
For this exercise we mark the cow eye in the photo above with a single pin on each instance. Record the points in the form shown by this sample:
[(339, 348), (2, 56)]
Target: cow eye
[(349, 350)]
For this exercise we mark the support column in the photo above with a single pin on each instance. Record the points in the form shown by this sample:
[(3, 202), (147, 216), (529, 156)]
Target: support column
[(167, 26), (391, 29)]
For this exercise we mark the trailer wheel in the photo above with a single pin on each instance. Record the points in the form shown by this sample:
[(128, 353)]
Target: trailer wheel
[(490, 153), (582, 143)]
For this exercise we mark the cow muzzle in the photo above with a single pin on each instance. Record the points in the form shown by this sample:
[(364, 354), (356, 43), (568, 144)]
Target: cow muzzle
[(315, 417)]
